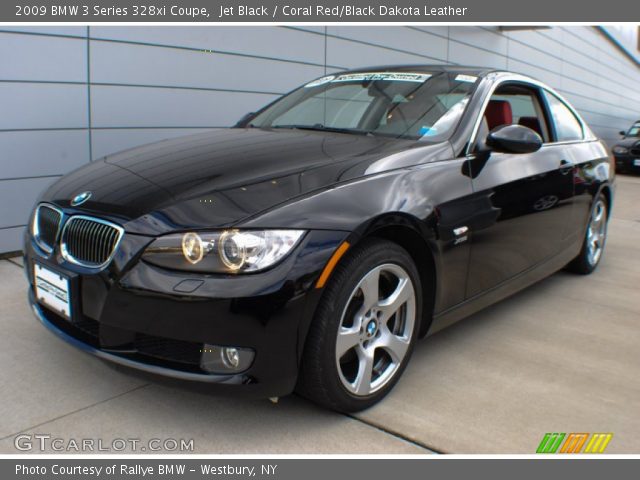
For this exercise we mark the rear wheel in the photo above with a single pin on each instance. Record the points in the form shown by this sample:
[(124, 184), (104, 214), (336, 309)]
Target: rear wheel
[(594, 240), (364, 328)]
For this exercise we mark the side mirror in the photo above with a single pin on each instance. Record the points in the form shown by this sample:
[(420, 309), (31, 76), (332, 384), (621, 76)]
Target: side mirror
[(623, 133), (244, 120), (514, 139)]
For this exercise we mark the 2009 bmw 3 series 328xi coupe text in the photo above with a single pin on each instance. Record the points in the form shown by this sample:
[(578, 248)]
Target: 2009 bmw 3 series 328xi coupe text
[(311, 245)]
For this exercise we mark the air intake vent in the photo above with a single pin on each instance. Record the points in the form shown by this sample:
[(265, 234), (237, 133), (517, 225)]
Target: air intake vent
[(46, 226), (89, 241)]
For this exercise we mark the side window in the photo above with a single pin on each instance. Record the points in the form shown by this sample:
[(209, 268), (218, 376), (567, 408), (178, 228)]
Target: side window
[(566, 124), (514, 104)]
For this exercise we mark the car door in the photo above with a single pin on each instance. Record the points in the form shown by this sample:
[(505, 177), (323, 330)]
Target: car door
[(569, 136), (524, 199)]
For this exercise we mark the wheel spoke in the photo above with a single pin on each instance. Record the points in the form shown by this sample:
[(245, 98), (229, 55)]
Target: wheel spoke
[(347, 339), (393, 302), (362, 383), (394, 345), (370, 287), (598, 214)]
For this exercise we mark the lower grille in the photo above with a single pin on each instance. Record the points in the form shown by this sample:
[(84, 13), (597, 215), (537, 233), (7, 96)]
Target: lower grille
[(178, 354), (88, 326), (178, 351), (46, 226), (89, 241)]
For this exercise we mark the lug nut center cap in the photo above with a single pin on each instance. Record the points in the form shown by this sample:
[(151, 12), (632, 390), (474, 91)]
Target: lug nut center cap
[(372, 328)]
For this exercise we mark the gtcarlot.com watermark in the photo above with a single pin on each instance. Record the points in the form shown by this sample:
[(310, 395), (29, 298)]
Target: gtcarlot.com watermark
[(42, 442)]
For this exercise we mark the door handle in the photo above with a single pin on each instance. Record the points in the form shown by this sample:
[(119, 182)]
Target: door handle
[(566, 167)]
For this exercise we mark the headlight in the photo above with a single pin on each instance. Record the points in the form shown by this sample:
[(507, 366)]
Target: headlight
[(620, 149), (229, 251)]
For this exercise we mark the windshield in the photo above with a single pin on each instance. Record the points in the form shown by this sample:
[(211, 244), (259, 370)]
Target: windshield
[(398, 104), (634, 131)]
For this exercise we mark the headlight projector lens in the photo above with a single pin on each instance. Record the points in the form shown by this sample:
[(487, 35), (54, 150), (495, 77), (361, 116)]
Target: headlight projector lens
[(192, 247), (232, 254)]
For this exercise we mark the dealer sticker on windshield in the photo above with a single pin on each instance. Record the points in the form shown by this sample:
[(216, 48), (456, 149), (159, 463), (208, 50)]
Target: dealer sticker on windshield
[(320, 81), (466, 78), (371, 76)]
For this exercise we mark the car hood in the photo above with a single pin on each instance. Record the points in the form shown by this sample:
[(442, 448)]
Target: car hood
[(628, 142), (219, 178)]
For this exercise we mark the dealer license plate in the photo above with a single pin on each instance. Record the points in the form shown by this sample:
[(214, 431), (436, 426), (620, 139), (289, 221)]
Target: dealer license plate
[(52, 290), (636, 162)]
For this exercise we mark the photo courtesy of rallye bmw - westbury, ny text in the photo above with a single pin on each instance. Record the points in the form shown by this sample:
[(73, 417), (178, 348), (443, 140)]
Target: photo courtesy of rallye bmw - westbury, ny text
[(284, 239), (143, 471)]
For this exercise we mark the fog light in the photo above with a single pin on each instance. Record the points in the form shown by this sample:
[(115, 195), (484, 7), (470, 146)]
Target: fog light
[(217, 359)]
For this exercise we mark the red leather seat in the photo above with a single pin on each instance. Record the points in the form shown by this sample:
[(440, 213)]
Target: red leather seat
[(531, 122), (498, 113)]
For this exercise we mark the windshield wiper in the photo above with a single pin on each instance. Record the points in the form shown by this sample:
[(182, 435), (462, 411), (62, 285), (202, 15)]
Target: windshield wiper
[(322, 128)]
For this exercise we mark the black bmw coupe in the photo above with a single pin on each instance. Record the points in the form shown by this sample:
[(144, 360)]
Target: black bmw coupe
[(627, 151), (309, 247)]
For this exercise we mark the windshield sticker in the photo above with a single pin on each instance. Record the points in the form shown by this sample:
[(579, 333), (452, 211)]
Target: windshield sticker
[(428, 131), (320, 81), (394, 76), (466, 78)]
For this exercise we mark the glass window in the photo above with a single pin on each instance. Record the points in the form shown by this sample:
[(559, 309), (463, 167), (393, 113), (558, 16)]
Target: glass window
[(516, 104), (420, 105), (522, 105), (634, 131), (568, 127), (343, 107)]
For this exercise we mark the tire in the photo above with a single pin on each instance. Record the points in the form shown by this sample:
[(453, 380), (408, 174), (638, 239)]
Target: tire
[(595, 235), (353, 316)]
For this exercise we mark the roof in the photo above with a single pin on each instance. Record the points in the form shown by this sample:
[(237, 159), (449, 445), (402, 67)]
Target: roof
[(470, 70)]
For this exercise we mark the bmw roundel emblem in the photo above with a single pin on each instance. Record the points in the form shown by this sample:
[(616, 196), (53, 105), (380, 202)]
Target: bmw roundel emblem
[(80, 199)]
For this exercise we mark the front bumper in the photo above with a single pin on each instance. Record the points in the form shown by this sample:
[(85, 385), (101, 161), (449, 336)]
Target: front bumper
[(138, 316), (120, 359), (627, 162)]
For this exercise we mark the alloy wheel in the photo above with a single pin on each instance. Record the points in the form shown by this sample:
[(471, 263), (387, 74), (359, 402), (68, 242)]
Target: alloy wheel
[(545, 203), (376, 329), (596, 232)]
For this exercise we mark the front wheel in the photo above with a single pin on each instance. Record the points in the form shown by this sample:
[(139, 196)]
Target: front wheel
[(594, 240), (364, 328)]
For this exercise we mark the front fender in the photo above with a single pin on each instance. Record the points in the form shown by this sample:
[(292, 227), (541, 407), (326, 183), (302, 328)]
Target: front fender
[(415, 191), (432, 199)]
